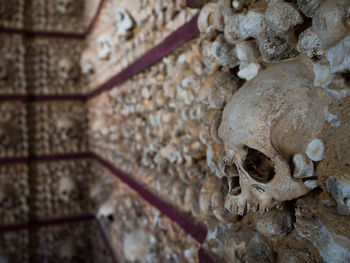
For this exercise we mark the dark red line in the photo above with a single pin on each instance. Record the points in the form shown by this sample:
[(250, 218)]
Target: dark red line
[(12, 160), (56, 97), (204, 257), (180, 36), (106, 241), (13, 97), (57, 157), (48, 222), (33, 98), (54, 157), (60, 221), (14, 227), (46, 34), (196, 230), (94, 20)]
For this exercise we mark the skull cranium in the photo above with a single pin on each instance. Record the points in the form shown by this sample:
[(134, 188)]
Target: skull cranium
[(67, 69), (64, 6), (67, 127), (66, 188), (266, 122)]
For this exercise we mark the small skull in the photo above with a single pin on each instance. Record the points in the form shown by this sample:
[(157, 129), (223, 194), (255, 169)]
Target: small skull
[(64, 6), (266, 122), (66, 188), (104, 49), (124, 22), (67, 69), (106, 210), (67, 127)]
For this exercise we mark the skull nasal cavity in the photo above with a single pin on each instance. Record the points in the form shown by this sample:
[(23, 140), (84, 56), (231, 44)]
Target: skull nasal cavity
[(259, 166)]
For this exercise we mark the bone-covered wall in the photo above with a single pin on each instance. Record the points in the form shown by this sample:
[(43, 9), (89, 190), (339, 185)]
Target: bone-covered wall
[(175, 131)]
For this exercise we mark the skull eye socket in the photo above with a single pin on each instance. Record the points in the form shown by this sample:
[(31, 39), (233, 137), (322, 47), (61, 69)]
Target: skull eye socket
[(259, 166)]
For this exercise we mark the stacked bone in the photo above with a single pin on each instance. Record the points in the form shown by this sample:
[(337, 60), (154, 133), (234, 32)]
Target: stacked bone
[(139, 232), (58, 127), (279, 126), (71, 242), (11, 13), (125, 31), (71, 16), (53, 66), (14, 246), (12, 68), (60, 189), (14, 207), (13, 130), (159, 128)]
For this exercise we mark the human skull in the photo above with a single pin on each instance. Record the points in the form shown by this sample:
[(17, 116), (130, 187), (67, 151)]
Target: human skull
[(66, 188), (3, 68), (104, 49), (67, 69), (64, 6), (266, 122), (67, 127), (87, 62), (124, 22), (136, 245)]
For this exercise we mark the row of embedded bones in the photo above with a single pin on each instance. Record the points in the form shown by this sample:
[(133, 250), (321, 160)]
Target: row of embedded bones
[(126, 38), (60, 189), (128, 32), (13, 130), (14, 209), (58, 127), (260, 115), (137, 230), (253, 194)]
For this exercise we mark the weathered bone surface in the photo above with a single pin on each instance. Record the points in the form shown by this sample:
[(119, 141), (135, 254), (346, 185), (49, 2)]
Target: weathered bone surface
[(138, 231), (61, 189), (262, 128), (13, 129), (63, 125), (245, 128)]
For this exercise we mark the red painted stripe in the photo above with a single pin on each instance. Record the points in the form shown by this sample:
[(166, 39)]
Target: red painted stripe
[(196, 230), (13, 227), (33, 98), (12, 160), (204, 257), (46, 222), (60, 221), (57, 157), (180, 36), (106, 240), (43, 158), (95, 19)]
